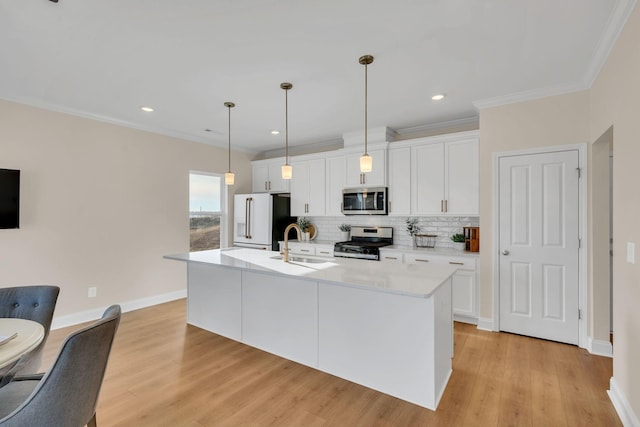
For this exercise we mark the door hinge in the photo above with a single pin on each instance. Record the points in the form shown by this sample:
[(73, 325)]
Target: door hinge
[(579, 314), (579, 172)]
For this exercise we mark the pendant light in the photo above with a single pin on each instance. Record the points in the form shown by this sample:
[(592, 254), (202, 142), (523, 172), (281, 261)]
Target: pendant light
[(229, 177), (366, 162), (287, 170)]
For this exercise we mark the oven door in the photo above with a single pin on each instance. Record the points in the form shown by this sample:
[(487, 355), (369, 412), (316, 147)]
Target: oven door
[(364, 201)]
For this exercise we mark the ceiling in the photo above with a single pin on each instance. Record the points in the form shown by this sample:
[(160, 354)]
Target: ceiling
[(106, 59)]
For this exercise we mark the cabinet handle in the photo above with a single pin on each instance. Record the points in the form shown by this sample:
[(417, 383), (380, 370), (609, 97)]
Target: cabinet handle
[(324, 252), (456, 263), (422, 260), (304, 250), (265, 186), (390, 257), (446, 206), (441, 205), (269, 185)]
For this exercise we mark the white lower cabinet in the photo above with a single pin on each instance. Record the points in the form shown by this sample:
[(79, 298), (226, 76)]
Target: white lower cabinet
[(215, 300), (464, 281), (269, 303)]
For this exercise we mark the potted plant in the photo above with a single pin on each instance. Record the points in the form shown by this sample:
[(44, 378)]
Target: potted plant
[(344, 232), (412, 228), (458, 241), (303, 222)]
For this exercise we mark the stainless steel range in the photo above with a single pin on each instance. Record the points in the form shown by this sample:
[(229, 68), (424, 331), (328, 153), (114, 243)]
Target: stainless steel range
[(365, 243)]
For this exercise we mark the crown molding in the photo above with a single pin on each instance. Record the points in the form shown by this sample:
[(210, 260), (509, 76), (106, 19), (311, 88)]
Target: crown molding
[(528, 95), (118, 122), (617, 20), (434, 127)]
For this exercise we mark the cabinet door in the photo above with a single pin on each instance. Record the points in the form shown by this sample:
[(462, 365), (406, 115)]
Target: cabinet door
[(316, 179), (464, 293), (276, 183), (378, 174), (260, 177), (336, 182), (462, 178), (427, 171), (400, 181), (299, 188)]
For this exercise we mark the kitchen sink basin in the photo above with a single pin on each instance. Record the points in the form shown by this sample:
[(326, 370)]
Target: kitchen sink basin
[(303, 259)]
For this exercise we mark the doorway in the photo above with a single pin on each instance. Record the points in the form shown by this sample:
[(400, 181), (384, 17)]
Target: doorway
[(539, 213)]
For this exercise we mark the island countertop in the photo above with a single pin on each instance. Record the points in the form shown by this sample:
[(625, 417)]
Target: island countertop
[(418, 281)]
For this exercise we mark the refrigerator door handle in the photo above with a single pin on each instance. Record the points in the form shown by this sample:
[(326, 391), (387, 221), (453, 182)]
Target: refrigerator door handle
[(247, 217)]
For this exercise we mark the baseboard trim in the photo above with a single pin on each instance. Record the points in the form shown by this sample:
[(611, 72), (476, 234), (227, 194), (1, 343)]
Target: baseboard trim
[(465, 319), (93, 314), (486, 324), (623, 408), (600, 348)]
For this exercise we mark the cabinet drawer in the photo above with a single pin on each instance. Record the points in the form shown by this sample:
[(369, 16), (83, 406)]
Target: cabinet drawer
[(302, 249), (392, 257), (324, 250), (460, 262)]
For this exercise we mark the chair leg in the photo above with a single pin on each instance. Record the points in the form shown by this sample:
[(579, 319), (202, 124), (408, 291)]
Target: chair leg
[(92, 421)]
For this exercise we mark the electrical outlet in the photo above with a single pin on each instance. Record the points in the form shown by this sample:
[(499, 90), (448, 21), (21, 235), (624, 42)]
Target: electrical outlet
[(93, 292), (631, 252)]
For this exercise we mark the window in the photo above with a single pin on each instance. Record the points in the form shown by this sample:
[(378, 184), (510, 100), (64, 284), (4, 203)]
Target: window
[(207, 213)]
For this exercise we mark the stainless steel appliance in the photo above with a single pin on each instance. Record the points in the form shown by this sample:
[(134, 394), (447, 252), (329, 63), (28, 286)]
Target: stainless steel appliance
[(260, 219), (365, 243), (365, 201)]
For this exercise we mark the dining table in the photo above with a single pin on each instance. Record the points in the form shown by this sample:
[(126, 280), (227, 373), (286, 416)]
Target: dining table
[(27, 335)]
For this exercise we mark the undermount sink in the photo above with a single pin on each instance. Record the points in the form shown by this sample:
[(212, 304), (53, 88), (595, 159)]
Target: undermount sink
[(303, 259)]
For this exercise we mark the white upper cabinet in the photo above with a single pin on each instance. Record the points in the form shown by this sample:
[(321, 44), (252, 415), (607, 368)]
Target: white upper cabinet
[(427, 177), (399, 181), (336, 180), (462, 179), (378, 175), (308, 187), (444, 178), (267, 176)]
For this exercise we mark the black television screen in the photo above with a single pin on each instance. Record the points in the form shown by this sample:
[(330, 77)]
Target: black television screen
[(9, 198)]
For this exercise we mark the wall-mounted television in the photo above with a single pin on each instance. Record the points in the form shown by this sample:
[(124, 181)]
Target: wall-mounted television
[(9, 198)]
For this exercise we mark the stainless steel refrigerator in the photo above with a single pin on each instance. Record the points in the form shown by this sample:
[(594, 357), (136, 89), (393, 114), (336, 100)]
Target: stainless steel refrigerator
[(260, 220)]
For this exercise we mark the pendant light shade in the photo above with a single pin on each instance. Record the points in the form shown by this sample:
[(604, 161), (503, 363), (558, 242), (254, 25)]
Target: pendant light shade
[(229, 177), (287, 170), (366, 162)]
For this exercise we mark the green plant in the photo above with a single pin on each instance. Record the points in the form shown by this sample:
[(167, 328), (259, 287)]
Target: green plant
[(458, 238), (412, 226), (304, 223), (344, 227)]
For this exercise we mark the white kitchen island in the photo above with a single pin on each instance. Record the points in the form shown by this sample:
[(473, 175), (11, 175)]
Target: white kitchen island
[(387, 327)]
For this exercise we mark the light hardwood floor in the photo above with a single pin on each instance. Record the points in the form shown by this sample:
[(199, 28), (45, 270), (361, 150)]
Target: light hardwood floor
[(163, 372)]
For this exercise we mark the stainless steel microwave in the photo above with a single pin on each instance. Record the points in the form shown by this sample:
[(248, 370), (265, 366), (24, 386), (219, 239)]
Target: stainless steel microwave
[(365, 201)]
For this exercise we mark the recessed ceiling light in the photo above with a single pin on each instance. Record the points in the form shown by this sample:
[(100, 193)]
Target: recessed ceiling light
[(275, 132), (147, 109), (438, 97)]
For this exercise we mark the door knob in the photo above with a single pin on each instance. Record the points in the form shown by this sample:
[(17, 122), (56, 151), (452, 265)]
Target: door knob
[(505, 252)]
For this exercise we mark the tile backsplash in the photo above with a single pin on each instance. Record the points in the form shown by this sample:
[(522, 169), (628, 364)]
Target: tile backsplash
[(442, 226)]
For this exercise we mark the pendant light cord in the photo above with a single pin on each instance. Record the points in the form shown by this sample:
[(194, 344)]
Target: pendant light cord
[(229, 108), (286, 126), (366, 103)]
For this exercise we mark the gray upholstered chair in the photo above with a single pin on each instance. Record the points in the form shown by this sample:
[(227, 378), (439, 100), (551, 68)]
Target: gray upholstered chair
[(67, 395), (35, 303)]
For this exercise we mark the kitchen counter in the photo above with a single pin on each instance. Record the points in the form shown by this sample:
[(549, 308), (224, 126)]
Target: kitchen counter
[(387, 327), (405, 279)]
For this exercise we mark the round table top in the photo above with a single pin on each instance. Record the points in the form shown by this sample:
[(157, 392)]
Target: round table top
[(29, 335)]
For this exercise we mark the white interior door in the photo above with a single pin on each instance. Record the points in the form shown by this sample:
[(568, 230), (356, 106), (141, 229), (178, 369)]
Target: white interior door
[(539, 246)]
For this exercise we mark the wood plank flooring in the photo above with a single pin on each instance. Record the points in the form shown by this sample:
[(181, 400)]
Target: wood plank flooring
[(163, 372)]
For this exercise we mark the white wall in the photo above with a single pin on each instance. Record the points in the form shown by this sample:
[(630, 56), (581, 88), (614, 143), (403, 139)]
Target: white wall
[(614, 103), (100, 206)]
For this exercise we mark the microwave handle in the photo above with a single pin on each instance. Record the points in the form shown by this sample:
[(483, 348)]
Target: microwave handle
[(375, 201)]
